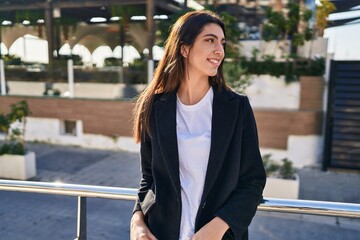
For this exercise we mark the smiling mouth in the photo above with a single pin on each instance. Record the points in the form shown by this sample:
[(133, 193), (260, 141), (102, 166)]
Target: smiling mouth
[(215, 62)]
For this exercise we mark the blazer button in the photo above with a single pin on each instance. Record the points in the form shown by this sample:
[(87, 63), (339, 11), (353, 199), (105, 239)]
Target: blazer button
[(203, 206)]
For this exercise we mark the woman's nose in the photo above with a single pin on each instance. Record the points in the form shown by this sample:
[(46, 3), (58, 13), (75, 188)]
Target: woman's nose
[(219, 50)]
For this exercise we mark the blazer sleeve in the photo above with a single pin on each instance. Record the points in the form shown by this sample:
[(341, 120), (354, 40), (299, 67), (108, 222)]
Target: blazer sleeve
[(242, 205), (146, 180)]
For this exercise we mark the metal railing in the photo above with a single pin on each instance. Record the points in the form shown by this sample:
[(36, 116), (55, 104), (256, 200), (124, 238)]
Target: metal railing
[(336, 209)]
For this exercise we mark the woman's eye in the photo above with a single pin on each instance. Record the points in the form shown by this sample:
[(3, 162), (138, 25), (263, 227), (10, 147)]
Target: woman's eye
[(210, 40)]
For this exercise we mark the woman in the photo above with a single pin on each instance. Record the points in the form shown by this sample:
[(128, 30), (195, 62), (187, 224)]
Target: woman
[(202, 173)]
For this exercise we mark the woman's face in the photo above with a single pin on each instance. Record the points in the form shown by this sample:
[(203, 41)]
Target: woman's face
[(207, 52)]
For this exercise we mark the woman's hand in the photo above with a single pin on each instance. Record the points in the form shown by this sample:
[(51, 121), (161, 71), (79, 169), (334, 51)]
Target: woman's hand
[(213, 230), (138, 228)]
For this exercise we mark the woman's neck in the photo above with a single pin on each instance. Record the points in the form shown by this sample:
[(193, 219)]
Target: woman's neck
[(191, 91)]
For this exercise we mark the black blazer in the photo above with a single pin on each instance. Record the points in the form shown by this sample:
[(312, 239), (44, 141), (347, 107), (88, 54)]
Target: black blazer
[(235, 176)]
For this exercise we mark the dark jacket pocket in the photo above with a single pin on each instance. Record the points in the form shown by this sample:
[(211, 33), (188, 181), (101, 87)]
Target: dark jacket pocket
[(229, 235), (148, 202)]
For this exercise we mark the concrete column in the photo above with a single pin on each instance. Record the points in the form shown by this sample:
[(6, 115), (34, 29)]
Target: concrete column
[(2, 69), (150, 24), (2, 77), (122, 45), (70, 68), (49, 33)]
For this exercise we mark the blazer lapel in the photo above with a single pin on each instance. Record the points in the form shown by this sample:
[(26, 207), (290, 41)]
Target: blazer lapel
[(165, 119), (225, 111)]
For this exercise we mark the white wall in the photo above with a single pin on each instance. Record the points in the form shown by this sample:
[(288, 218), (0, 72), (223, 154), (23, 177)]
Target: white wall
[(305, 150), (50, 130), (344, 41), (279, 49), (81, 90), (263, 92), (266, 91), (26, 88), (302, 151)]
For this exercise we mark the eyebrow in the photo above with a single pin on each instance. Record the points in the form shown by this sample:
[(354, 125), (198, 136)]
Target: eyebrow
[(212, 35)]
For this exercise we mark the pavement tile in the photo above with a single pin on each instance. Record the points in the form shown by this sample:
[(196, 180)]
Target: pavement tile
[(28, 216)]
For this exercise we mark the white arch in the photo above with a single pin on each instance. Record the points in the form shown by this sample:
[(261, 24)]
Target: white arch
[(65, 49), (158, 52), (78, 49), (99, 55), (4, 49), (130, 53), (82, 51), (30, 48)]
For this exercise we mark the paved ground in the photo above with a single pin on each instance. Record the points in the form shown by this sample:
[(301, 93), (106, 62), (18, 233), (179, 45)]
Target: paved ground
[(25, 216)]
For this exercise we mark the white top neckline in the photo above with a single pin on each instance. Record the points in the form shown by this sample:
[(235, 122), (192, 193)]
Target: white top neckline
[(197, 105)]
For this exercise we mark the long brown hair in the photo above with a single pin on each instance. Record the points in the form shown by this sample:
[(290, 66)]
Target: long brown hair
[(171, 68)]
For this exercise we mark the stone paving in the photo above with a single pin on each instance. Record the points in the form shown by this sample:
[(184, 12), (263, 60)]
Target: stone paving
[(25, 216)]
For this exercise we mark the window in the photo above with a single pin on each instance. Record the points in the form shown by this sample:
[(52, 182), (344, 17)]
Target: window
[(69, 127)]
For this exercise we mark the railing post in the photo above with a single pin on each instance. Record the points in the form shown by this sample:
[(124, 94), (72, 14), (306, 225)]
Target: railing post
[(81, 219)]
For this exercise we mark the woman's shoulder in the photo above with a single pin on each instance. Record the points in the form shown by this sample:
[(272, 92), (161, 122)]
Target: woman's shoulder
[(162, 97)]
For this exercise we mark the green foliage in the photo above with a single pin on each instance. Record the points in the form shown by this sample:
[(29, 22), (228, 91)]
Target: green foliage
[(30, 15), (12, 147), (232, 33), (279, 26), (270, 165), (292, 68), (286, 170), (322, 12), (52, 92), (62, 60), (11, 59), (236, 76), (18, 111), (135, 73), (270, 32), (4, 123), (298, 39), (125, 12), (306, 15), (111, 62), (138, 72), (283, 170), (13, 126), (67, 23)]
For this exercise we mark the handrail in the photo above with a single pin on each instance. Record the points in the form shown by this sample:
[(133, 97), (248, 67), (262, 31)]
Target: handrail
[(323, 208), (67, 189)]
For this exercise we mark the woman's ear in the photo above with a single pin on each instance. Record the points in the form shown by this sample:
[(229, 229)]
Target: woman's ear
[(184, 51)]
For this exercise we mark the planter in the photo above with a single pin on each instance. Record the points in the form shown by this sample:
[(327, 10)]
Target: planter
[(282, 188), (21, 167), (311, 92)]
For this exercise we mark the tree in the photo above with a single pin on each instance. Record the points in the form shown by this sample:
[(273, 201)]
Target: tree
[(322, 12), (279, 26), (13, 126)]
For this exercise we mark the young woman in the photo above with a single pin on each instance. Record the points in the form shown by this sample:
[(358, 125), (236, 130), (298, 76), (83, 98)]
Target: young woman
[(202, 173)]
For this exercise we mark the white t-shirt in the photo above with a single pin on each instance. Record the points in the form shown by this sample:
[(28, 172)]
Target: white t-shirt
[(193, 126)]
